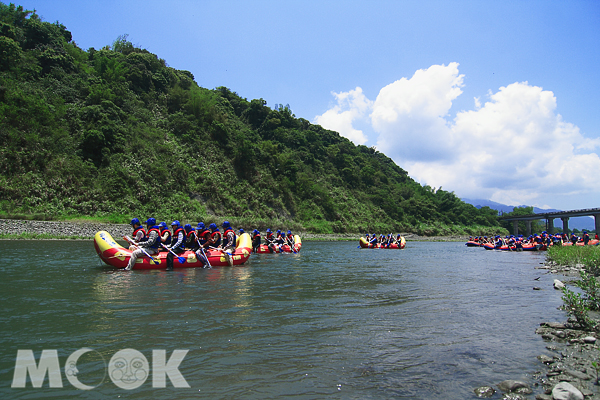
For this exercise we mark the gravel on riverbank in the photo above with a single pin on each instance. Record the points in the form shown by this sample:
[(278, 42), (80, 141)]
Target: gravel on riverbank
[(87, 230), (571, 350), (82, 230)]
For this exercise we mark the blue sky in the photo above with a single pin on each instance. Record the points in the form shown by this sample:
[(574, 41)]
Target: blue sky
[(489, 99)]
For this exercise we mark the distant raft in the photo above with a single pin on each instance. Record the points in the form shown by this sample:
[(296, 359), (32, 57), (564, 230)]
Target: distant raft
[(115, 255), (366, 245), (524, 247), (286, 248)]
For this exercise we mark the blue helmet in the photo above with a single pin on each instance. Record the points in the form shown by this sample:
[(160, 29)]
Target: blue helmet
[(268, 230), (175, 223), (255, 231), (241, 230), (226, 225), (201, 225), (289, 232), (135, 221), (163, 224), (151, 221), (212, 226), (187, 227)]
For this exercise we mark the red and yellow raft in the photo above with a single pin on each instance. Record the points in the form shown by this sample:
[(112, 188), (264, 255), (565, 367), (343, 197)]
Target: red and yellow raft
[(286, 248), (115, 255), (366, 245)]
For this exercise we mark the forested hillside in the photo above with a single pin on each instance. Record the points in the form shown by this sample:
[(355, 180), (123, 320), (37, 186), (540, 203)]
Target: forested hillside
[(114, 133)]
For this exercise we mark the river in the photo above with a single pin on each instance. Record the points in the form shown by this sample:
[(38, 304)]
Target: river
[(432, 321)]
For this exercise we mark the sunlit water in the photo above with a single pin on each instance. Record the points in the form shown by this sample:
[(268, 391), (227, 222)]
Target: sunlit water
[(432, 321)]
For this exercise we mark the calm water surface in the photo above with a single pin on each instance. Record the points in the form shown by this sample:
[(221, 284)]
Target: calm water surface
[(432, 321)]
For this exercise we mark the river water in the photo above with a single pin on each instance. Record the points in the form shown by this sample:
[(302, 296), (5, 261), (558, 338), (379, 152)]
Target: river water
[(432, 321)]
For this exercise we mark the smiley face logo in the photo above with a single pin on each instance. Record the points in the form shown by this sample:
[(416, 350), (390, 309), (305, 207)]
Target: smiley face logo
[(128, 369), (74, 373)]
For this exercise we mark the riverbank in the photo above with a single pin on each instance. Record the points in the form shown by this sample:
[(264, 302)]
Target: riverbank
[(572, 351), (32, 229)]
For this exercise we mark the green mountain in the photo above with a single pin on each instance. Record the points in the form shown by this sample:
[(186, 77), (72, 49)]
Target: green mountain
[(116, 133)]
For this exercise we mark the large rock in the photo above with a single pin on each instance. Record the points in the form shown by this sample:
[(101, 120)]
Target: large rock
[(484, 391), (558, 285), (566, 391), (512, 386)]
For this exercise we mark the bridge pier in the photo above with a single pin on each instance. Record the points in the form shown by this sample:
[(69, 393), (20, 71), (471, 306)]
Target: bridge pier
[(597, 223), (528, 227), (515, 227), (550, 226), (565, 221)]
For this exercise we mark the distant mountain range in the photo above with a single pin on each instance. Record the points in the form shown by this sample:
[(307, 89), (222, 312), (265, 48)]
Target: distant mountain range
[(581, 223)]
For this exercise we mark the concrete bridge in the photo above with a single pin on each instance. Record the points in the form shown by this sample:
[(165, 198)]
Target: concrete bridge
[(550, 216)]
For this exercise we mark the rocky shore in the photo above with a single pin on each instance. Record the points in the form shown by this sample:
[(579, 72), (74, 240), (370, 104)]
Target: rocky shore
[(81, 230), (87, 230), (567, 370), (572, 351)]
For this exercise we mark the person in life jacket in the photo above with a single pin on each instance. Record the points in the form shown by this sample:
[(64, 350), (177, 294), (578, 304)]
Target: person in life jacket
[(228, 242), (373, 240), (279, 238), (519, 242), (178, 243), (202, 238), (150, 244), (289, 238), (191, 241), (586, 238), (270, 240), (390, 240), (399, 240), (165, 236), (499, 243), (139, 233), (511, 242), (256, 239), (574, 239), (215, 235), (203, 235)]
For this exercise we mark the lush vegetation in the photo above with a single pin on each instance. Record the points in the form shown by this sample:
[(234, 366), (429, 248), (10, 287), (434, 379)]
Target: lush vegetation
[(578, 304), (589, 256), (116, 133)]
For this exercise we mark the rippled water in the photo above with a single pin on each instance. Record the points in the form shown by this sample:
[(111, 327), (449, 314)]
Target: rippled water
[(432, 321)]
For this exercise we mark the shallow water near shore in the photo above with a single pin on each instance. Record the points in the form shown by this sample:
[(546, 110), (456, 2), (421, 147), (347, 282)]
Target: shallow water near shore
[(432, 321)]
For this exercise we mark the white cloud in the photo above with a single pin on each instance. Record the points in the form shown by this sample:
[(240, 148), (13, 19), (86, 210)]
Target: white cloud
[(513, 148), (409, 115), (351, 106)]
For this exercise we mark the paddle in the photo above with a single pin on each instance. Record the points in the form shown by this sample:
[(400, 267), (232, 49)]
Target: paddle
[(291, 245), (141, 248), (206, 257), (181, 259)]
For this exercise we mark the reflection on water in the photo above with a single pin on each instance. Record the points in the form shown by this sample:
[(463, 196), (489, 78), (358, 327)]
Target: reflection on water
[(432, 321)]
